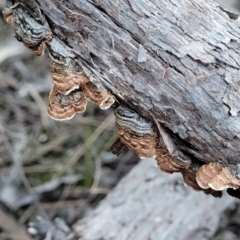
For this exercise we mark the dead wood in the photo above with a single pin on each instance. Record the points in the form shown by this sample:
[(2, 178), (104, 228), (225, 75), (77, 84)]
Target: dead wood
[(149, 204), (177, 61)]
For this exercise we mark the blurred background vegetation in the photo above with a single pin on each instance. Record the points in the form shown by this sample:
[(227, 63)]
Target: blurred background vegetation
[(56, 169)]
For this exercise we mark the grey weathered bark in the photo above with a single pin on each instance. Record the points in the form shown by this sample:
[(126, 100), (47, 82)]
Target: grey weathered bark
[(178, 60), (148, 204)]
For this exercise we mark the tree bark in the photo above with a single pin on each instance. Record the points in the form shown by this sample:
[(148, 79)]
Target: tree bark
[(148, 204), (175, 60)]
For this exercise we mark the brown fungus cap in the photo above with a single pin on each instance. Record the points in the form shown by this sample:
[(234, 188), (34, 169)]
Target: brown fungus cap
[(189, 179), (67, 75), (66, 81), (144, 146), (165, 161), (93, 94), (136, 132), (217, 177), (64, 107), (108, 103)]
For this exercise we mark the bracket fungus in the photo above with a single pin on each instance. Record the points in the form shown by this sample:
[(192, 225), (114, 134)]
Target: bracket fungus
[(71, 87), (93, 94), (33, 33), (165, 161), (140, 135), (177, 162), (214, 175), (136, 132), (64, 107), (66, 74), (189, 178)]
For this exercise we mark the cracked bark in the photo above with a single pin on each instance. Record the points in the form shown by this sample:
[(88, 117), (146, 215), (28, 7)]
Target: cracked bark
[(189, 77)]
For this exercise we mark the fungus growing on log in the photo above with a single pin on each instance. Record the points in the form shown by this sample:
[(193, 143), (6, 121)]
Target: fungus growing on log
[(189, 178), (136, 132), (66, 74), (64, 107), (140, 135), (33, 33), (165, 161), (93, 94), (69, 80), (215, 176)]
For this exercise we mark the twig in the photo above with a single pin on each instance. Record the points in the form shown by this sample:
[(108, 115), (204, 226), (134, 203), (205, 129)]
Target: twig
[(98, 168), (42, 106)]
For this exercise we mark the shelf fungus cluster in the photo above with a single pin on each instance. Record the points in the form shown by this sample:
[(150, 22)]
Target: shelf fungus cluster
[(72, 90), (139, 134)]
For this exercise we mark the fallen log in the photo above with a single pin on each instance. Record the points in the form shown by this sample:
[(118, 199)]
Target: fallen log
[(148, 204), (174, 63)]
